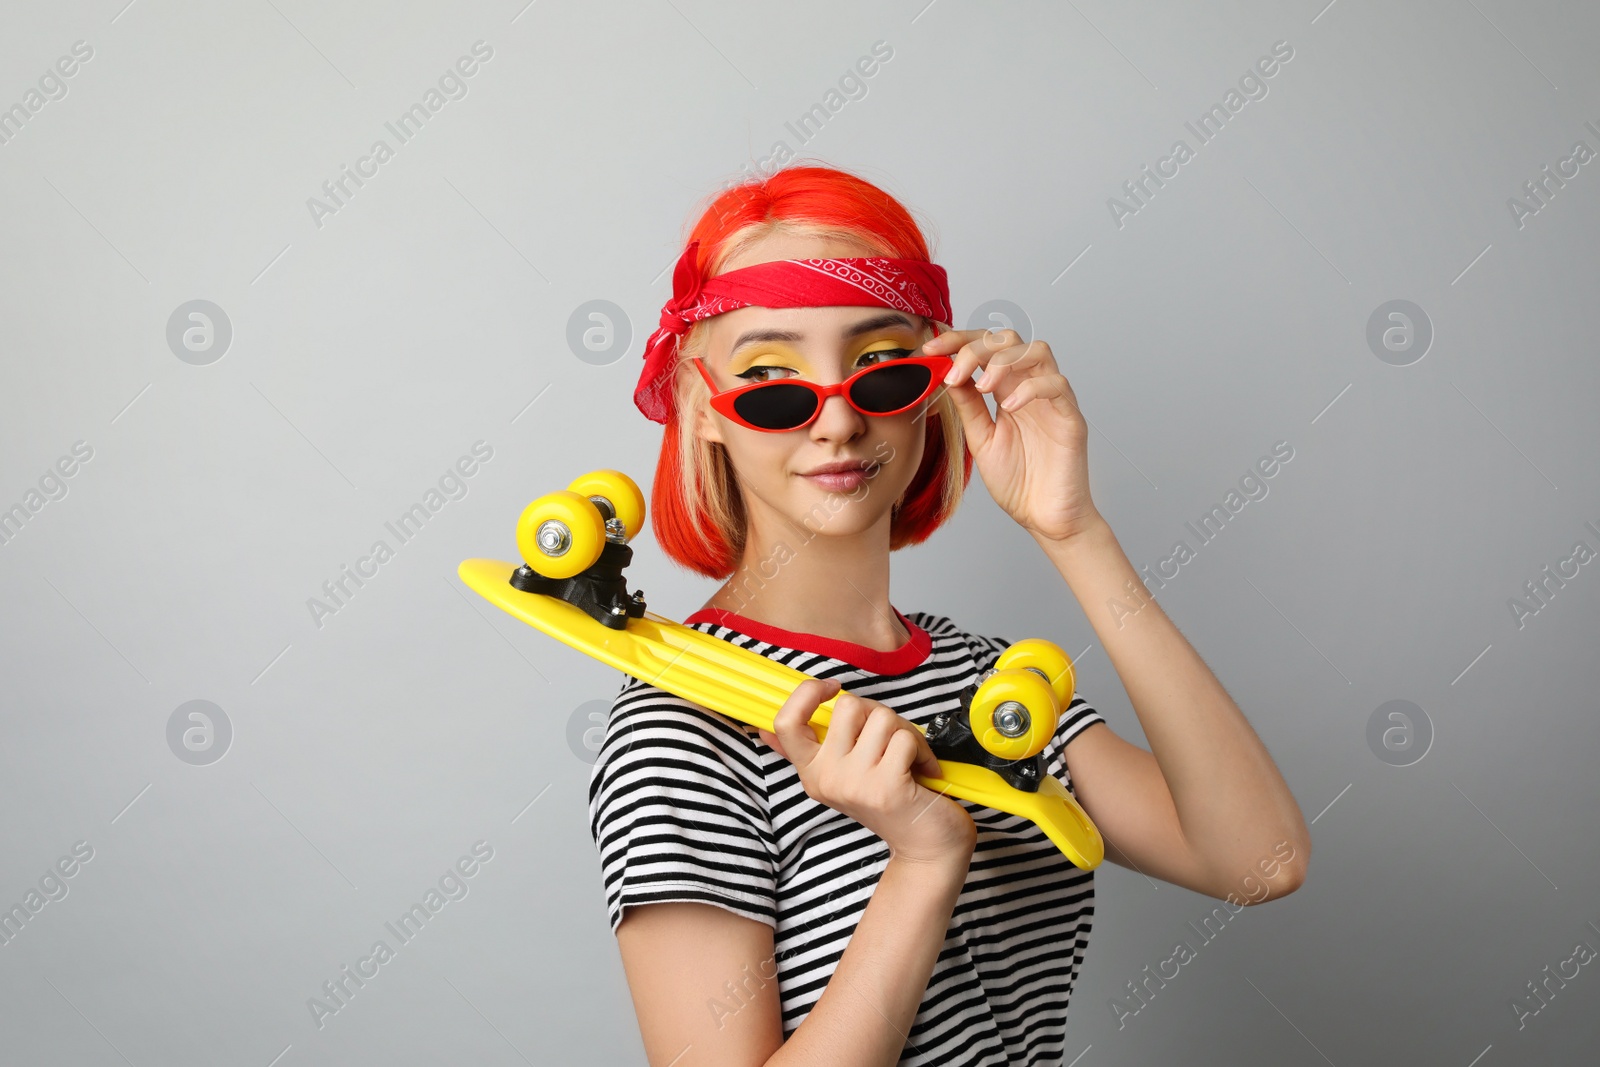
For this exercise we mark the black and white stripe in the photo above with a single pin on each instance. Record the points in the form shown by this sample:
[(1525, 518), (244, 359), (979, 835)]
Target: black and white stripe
[(687, 805)]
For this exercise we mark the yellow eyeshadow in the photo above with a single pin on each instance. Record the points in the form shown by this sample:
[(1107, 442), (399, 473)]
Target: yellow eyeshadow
[(769, 359), (796, 362)]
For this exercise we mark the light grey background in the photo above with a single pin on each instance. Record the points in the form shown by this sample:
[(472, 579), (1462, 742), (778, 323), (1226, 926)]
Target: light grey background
[(369, 353)]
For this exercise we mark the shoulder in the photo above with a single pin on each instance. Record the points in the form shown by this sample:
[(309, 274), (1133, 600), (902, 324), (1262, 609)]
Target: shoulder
[(678, 808), (665, 759), (650, 724)]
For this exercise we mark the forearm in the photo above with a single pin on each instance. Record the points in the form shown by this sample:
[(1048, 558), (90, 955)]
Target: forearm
[(864, 1015), (1231, 800)]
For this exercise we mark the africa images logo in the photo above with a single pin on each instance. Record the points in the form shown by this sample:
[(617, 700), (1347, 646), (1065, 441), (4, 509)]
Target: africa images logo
[(452, 885), (1252, 86), (452, 85)]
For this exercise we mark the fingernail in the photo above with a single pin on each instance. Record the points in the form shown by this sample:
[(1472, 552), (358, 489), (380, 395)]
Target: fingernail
[(950, 376)]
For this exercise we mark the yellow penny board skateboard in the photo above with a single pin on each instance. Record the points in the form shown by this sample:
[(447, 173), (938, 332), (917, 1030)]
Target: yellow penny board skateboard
[(1004, 723)]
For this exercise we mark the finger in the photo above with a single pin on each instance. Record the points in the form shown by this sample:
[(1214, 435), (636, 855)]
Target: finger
[(996, 346), (849, 714), (1014, 363), (977, 425), (927, 762), (976, 351), (980, 352), (772, 741), (907, 753), (1050, 387), (949, 341), (792, 724), (880, 726)]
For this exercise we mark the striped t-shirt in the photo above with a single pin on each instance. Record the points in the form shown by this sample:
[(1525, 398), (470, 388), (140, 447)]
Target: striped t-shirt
[(687, 805)]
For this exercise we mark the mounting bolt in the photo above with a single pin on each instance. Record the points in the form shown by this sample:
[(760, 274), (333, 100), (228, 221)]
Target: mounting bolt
[(1011, 719), (554, 538)]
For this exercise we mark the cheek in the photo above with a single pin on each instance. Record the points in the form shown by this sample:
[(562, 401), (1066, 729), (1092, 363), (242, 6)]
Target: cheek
[(900, 446), (910, 442), (758, 456)]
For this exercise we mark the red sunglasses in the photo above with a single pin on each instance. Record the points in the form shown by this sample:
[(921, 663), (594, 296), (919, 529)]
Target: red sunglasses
[(886, 388)]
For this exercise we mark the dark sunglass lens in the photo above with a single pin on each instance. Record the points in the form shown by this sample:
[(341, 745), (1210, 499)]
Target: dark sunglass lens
[(777, 406), (890, 387)]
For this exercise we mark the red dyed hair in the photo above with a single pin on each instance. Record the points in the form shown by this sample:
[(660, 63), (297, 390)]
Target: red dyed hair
[(698, 516)]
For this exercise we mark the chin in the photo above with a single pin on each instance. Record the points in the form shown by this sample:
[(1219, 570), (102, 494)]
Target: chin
[(823, 512)]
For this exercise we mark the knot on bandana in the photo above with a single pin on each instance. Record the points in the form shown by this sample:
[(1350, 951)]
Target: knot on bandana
[(687, 286)]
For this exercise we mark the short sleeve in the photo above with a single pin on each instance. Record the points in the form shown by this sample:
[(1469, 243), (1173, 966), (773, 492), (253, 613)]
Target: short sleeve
[(678, 809), (1079, 716)]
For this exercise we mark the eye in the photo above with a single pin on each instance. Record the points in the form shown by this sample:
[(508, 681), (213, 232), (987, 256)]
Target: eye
[(757, 373), (865, 360)]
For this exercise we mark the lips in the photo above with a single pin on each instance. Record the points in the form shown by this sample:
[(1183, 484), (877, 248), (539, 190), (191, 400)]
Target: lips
[(844, 481), (842, 477), (838, 468)]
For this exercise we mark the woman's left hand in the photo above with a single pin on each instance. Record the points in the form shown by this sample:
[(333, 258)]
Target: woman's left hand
[(1033, 451)]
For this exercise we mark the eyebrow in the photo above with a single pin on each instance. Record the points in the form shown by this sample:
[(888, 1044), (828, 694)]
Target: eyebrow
[(877, 322)]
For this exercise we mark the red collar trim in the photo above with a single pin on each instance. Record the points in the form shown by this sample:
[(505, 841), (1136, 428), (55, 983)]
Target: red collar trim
[(907, 656)]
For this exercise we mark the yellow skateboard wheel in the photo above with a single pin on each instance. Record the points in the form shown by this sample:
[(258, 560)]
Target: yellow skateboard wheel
[(1046, 657), (561, 534), (1013, 714), (619, 492)]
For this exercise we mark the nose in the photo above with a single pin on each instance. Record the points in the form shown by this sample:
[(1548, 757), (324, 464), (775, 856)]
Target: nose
[(838, 421)]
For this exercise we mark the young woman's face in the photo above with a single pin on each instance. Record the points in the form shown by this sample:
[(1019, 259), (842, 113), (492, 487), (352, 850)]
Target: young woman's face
[(824, 345)]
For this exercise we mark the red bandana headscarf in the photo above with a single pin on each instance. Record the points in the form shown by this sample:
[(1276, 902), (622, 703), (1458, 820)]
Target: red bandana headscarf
[(914, 286)]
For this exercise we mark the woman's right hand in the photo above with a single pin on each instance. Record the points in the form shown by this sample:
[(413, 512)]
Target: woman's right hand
[(864, 767)]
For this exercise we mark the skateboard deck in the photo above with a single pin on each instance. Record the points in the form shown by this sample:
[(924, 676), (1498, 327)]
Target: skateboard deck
[(750, 688)]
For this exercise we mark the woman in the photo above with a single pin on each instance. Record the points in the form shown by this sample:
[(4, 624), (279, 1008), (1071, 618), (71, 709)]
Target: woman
[(778, 900)]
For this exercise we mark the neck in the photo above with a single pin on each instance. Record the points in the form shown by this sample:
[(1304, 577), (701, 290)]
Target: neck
[(814, 582)]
